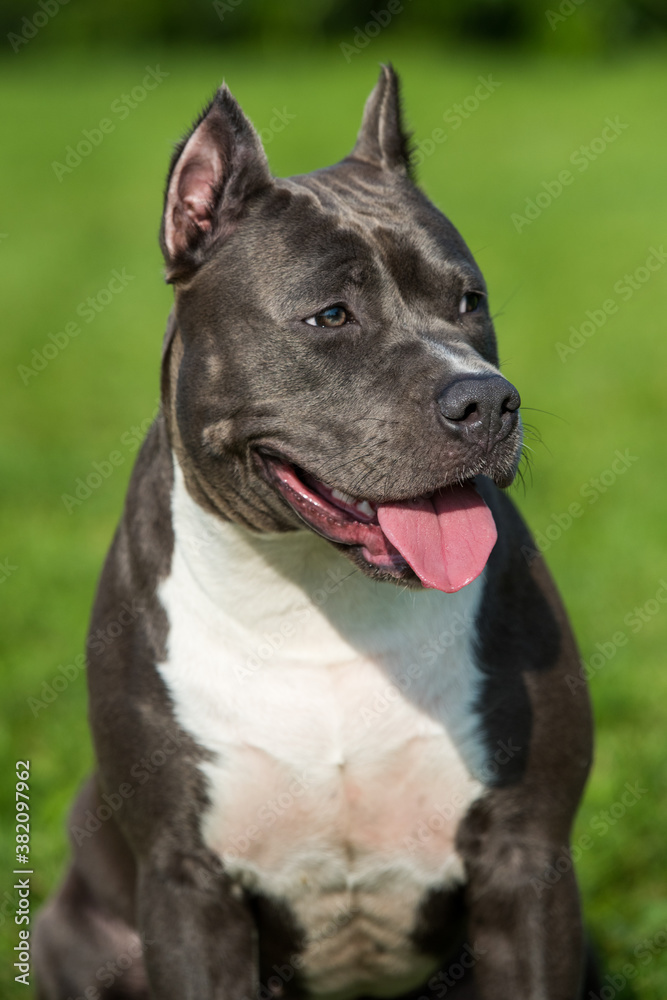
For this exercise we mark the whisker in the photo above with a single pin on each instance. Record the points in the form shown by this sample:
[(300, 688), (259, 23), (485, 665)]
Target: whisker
[(536, 409)]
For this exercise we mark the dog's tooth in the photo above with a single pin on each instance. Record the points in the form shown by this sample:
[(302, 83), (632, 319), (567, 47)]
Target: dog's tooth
[(364, 507), (339, 495)]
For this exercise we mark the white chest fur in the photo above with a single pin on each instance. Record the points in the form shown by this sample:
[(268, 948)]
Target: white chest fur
[(339, 712)]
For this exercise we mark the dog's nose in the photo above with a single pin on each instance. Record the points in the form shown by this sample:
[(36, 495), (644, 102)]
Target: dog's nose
[(483, 408)]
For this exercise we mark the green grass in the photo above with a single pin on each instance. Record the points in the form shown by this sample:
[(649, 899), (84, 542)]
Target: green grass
[(64, 238)]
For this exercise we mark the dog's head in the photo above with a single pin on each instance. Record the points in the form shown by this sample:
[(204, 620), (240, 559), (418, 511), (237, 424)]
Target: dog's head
[(332, 361)]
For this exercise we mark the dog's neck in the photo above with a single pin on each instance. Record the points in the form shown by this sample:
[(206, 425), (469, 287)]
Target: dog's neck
[(270, 584)]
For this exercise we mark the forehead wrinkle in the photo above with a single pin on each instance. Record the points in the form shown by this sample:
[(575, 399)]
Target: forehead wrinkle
[(350, 199), (349, 205), (327, 199), (358, 197), (355, 203), (432, 276), (335, 207), (332, 271)]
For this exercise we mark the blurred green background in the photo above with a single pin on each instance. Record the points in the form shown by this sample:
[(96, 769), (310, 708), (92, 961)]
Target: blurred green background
[(578, 318)]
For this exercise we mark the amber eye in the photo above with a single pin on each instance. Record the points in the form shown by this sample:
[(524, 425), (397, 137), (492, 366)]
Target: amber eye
[(332, 317), (470, 302)]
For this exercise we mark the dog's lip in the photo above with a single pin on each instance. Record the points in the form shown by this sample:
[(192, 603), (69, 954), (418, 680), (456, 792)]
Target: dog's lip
[(355, 509), (291, 478), (333, 516), (298, 485)]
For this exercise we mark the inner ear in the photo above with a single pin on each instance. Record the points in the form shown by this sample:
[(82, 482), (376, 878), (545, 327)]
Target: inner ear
[(194, 190)]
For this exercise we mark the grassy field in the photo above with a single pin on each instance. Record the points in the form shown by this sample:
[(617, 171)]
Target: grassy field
[(580, 260)]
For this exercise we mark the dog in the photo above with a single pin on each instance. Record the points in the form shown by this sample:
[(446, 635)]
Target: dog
[(337, 756)]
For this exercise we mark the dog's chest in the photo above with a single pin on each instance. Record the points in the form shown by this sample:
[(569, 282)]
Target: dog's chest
[(342, 736)]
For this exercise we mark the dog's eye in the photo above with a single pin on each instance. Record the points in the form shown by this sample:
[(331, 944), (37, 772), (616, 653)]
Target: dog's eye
[(470, 302), (332, 317)]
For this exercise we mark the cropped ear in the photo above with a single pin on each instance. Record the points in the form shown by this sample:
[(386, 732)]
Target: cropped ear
[(213, 173), (382, 139)]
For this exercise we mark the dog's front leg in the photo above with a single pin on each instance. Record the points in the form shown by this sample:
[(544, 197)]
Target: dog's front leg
[(524, 918), (200, 937)]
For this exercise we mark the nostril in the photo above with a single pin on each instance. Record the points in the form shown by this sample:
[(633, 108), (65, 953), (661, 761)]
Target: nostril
[(511, 402), (460, 411)]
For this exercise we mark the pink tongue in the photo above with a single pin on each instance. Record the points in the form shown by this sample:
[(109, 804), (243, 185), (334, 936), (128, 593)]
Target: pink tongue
[(447, 539)]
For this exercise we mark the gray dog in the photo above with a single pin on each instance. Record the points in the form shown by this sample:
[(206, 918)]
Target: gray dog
[(337, 756)]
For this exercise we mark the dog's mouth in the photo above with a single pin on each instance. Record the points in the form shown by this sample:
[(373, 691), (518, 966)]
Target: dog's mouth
[(445, 537)]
